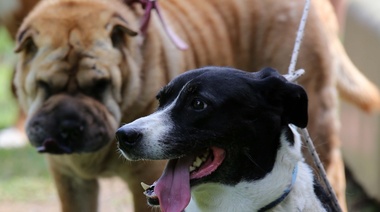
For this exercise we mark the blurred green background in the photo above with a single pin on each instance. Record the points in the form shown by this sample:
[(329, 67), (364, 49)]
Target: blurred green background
[(23, 172), (8, 108)]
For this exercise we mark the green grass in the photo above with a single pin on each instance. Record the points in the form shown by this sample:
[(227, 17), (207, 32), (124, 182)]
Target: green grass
[(8, 106), (6, 44), (23, 172), (24, 175)]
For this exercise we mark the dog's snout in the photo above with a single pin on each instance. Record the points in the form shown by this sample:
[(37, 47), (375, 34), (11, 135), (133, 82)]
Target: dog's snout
[(69, 128), (128, 137)]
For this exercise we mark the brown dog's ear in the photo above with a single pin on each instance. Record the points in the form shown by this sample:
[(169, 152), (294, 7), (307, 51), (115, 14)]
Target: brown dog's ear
[(25, 41), (117, 23), (118, 28)]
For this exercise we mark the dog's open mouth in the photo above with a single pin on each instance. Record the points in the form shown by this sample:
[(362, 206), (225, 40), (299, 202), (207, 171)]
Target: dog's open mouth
[(53, 147), (172, 190)]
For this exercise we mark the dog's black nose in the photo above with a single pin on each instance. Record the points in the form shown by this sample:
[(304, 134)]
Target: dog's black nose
[(71, 129), (128, 137)]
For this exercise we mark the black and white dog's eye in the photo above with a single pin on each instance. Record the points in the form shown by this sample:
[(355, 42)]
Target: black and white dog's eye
[(198, 104)]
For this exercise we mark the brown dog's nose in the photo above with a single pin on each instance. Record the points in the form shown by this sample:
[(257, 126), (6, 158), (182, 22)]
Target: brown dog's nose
[(127, 137), (71, 129)]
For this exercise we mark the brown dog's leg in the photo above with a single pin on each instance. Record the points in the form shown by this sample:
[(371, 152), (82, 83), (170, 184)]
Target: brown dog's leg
[(325, 133), (76, 194), (337, 177)]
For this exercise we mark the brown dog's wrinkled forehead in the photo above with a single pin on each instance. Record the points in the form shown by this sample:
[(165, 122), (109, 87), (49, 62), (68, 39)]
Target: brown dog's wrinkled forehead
[(62, 17)]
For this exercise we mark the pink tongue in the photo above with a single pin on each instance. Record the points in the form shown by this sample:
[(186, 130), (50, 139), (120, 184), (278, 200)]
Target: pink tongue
[(173, 187)]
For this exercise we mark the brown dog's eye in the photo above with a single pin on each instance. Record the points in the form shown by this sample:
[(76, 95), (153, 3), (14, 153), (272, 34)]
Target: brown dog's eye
[(97, 88), (198, 104), (46, 87), (100, 86)]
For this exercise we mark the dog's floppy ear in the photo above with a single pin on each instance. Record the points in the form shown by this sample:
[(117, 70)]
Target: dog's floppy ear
[(295, 105), (118, 28), (292, 97), (25, 40)]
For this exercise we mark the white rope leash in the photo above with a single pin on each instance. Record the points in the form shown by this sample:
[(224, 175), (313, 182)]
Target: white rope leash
[(322, 172), (299, 37), (292, 76)]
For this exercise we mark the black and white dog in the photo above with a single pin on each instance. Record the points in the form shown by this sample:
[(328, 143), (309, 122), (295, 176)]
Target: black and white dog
[(232, 144)]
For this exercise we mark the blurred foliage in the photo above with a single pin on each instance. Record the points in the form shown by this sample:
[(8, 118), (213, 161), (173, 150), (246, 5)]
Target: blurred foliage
[(6, 43), (8, 105), (24, 175)]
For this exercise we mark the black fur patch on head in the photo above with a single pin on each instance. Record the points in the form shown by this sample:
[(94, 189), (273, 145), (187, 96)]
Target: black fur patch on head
[(241, 112), (168, 93)]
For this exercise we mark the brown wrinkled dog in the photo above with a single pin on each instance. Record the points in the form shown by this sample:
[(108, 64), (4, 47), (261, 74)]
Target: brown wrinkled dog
[(84, 69)]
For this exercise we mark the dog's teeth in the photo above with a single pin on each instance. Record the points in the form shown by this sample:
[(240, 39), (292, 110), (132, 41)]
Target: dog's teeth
[(145, 186), (197, 162)]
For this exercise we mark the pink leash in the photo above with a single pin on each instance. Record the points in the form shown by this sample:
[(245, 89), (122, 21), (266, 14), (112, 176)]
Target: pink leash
[(150, 5)]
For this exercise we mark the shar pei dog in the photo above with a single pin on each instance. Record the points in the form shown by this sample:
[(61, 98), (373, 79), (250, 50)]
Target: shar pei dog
[(84, 68)]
